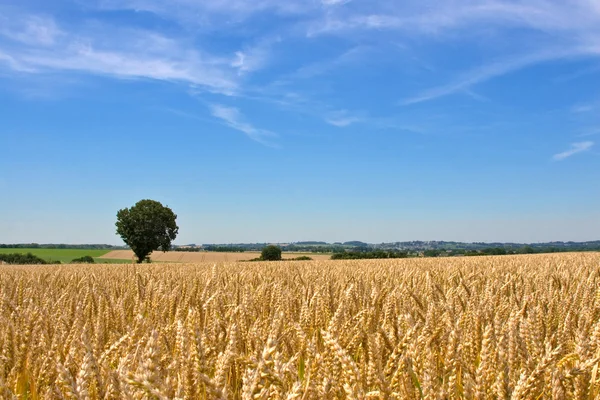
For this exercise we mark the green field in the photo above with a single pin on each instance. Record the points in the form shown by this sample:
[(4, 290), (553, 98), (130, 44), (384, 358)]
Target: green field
[(65, 255)]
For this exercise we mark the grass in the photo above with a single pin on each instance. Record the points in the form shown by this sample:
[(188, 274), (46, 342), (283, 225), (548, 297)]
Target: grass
[(64, 255)]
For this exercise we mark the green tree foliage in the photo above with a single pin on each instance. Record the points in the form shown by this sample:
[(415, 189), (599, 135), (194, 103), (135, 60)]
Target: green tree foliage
[(301, 258), (361, 255), (58, 246), (271, 253), (490, 251), (225, 249), (84, 260), (526, 250), (146, 227), (432, 253), (21, 259)]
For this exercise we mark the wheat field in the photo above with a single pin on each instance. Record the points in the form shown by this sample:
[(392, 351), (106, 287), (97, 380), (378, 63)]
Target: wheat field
[(508, 327)]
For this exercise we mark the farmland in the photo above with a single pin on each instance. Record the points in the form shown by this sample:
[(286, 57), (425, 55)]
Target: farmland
[(204, 256), (62, 255), (519, 327), (125, 256)]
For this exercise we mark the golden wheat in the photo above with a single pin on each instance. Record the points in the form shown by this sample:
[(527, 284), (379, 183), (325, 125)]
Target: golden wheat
[(512, 327)]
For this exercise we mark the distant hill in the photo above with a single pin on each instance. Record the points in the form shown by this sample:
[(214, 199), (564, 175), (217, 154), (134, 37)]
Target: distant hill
[(356, 243), (443, 245)]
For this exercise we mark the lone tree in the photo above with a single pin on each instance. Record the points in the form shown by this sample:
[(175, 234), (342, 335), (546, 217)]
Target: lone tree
[(146, 227), (271, 253)]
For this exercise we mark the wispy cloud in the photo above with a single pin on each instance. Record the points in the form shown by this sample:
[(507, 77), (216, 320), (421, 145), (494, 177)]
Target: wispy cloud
[(125, 53), (575, 149), (342, 119), (334, 2), (590, 132), (12, 63), (130, 65), (549, 30), (353, 55), (429, 17), (582, 108), (212, 14), (254, 57), (577, 74), (30, 29), (265, 49), (232, 117), (487, 72)]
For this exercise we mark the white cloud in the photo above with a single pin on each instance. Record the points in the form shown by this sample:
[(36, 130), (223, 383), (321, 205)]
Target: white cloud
[(12, 63), (212, 14), (334, 2), (582, 108), (548, 29), (434, 17), (353, 55), (590, 132), (234, 119), (342, 119), (124, 53), (31, 30), (575, 148), (255, 57), (552, 29), (131, 65), (487, 72), (239, 61), (342, 122)]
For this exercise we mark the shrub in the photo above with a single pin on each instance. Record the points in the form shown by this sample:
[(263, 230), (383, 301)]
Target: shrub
[(84, 260), (271, 253), (22, 259), (360, 255)]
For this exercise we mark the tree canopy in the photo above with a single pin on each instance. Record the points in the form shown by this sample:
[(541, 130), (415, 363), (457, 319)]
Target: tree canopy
[(146, 227), (271, 253)]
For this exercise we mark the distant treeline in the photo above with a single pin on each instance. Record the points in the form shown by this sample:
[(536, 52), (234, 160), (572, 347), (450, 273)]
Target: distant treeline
[(511, 248), (234, 247), (225, 249), (315, 249), (188, 249), (21, 259), (222, 249), (361, 255), (60, 246), (500, 251)]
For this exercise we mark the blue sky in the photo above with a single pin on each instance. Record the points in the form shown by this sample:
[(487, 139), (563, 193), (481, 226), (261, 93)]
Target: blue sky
[(294, 120)]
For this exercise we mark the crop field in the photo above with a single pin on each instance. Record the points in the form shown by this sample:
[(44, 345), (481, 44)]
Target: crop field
[(505, 327), (204, 256), (62, 255)]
